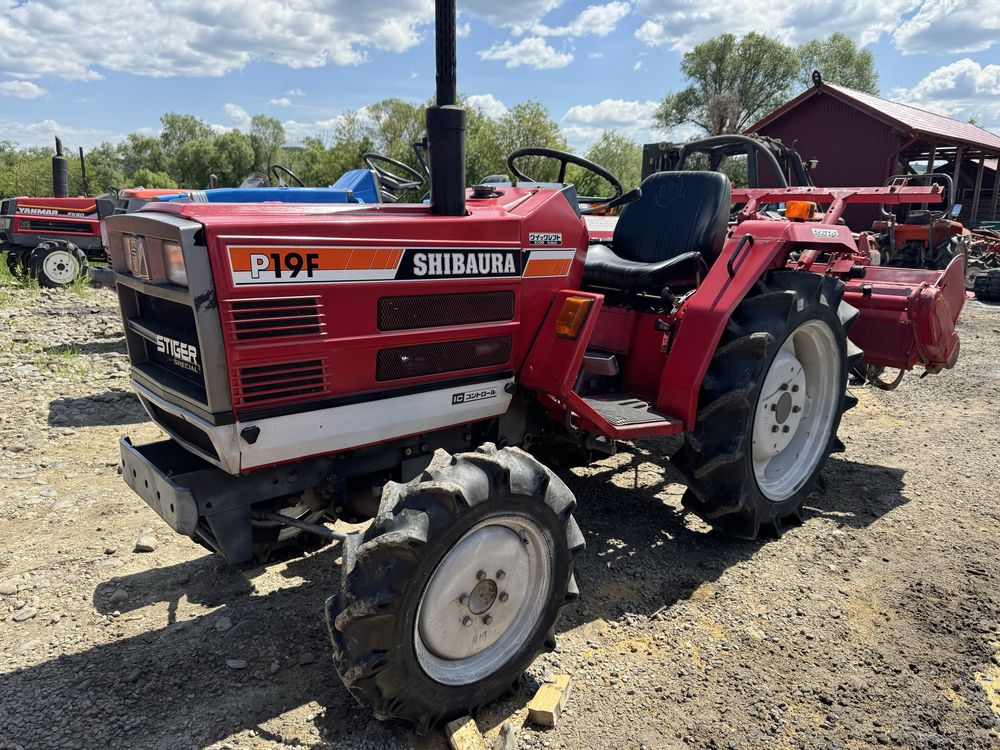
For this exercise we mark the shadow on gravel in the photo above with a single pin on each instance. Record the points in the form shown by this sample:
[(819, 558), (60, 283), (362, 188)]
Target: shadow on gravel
[(92, 347), (100, 409), (643, 556)]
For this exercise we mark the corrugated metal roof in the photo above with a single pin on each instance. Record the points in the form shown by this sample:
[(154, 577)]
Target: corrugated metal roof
[(901, 116)]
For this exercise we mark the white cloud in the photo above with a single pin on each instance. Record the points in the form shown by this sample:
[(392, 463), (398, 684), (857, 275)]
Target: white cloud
[(681, 24), (488, 104), (283, 101), (21, 89), (240, 117), (295, 92), (42, 133), (638, 65), (960, 90), (295, 131), (532, 51), (950, 26), (594, 20), (463, 30), (523, 13), (584, 123), (195, 38)]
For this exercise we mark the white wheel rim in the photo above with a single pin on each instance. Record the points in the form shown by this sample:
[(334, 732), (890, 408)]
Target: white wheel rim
[(483, 600), (61, 266), (795, 410)]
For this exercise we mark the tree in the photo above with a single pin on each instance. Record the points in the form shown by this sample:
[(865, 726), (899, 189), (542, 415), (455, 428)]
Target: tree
[(104, 171), (234, 157), (267, 136), (180, 129), (147, 178), (141, 152), (395, 125), (838, 60), (194, 162), (733, 83), (524, 124), (618, 154)]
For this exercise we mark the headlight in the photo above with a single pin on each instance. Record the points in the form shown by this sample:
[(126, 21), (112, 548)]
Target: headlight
[(104, 238), (173, 263)]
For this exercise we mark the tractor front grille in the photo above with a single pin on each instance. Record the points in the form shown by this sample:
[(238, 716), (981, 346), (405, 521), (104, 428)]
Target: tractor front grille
[(435, 310), (255, 319), (446, 356), (266, 384)]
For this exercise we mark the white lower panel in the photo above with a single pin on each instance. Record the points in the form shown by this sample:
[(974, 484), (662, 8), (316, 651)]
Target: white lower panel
[(342, 427)]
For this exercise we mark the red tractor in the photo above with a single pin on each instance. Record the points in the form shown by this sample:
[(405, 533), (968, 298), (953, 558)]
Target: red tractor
[(408, 363)]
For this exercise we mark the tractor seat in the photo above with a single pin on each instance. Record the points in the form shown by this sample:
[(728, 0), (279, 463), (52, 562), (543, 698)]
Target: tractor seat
[(667, 238)]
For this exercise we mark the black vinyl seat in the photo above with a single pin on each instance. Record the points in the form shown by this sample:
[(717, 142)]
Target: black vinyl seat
[(669, 237)]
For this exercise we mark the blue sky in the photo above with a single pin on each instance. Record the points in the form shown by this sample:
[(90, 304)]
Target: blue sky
[(94, 71)]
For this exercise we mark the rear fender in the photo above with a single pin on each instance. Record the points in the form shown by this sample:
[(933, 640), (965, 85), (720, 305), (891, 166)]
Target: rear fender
[(700, 321)]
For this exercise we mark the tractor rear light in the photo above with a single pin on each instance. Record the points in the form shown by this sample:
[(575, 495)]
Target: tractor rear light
[(572, 316), (802, 210), (173, 263)]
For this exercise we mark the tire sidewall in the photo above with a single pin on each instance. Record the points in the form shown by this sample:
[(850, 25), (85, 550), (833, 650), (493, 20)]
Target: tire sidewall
[(802, 312), (433, 694)]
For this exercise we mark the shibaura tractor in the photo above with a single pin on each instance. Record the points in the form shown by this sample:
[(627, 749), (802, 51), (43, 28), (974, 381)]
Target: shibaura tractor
[(415, 364)]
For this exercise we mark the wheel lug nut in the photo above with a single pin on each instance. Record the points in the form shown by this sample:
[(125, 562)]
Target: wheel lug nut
[(795, 389), (501, 575), (504, 596), (785, 428), (481, 575), (783, 387), (774, 407), (467, 621), (774, 428), (796, 409), (487, 620), (463, 598)]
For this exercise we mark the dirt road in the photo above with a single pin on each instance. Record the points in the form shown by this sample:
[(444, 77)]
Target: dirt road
[(875, 624)]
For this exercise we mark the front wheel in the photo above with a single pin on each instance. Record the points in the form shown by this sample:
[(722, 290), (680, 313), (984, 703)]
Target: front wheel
[(455, 587), (770, 404), (57, 264)]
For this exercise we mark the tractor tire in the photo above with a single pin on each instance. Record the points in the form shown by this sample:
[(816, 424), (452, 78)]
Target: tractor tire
[(57, 264), (17, 263), (455, 587), (987, 286), (751, 461), (973, 269)]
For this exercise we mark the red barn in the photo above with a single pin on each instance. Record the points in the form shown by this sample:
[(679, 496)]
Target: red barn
[(862, 140)]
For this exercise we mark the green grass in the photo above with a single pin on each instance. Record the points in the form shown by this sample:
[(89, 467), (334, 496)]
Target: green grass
[(65, 360)]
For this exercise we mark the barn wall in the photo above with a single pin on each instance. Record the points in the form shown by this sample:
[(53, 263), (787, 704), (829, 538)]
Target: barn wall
[(853, 148)]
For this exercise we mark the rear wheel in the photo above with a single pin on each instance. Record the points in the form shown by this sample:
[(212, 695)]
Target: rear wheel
[(455, 587), (57, 264), (770, 405), (987, 286), (973, 269)]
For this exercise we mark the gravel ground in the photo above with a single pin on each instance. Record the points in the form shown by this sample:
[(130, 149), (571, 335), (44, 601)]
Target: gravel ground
[(876, 623)]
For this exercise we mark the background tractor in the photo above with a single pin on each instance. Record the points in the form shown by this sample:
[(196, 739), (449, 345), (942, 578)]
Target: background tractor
[(408, 364)]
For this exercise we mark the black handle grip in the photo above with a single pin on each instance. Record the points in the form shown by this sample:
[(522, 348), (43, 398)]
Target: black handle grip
[(747, 242)]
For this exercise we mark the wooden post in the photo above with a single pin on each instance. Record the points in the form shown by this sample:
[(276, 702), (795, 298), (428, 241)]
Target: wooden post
[(976, 193), (996, 190), (930, 168), (958, 173)]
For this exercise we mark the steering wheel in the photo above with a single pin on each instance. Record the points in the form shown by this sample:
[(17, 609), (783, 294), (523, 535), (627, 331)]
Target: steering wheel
[(277, 169), (565, 159), (391, 180)]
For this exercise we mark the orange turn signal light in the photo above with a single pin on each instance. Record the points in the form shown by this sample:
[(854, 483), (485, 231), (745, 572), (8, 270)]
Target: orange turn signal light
[(572, 315), (800, 210)]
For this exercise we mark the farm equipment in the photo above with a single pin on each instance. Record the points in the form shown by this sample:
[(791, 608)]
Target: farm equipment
[(407, 363), (53, 239)]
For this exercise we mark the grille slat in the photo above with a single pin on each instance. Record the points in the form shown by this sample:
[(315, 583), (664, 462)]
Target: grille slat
[(437, 310), (276, 318), (446, 356), (264, 383)]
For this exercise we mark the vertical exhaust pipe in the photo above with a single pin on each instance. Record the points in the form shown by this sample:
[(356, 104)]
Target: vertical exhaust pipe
[(446, 120), (83, 174), (60, 172)]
